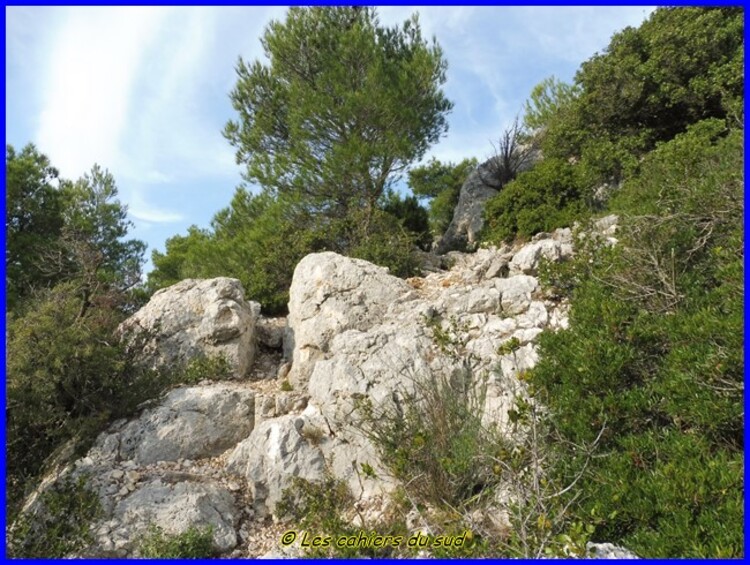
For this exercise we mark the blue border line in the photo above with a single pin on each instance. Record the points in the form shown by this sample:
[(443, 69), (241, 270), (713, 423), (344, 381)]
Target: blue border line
[(168, 3)]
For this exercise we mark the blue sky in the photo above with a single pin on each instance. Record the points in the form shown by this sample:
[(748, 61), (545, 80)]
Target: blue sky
[(143, 91)]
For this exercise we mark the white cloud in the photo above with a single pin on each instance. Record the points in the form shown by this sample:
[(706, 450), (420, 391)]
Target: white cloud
[(95, 57), (139, 209)]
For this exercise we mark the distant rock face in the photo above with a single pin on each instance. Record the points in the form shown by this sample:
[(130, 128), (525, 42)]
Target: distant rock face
[(468, 220), (195, 318)]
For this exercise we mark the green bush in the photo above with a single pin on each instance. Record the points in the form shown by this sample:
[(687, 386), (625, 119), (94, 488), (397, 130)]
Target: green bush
[(259, 239), (379, 237), (654, 355), (194, 543), (324, 508), (60, 526), (434, 439), (547, 197), (413, 217), (68, 378)]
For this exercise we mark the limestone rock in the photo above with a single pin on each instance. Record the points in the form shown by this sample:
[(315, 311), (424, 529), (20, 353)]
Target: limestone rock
[(278, 450), (191, 423), (270, 332), (195, 318), (608, 551), (330, 294), (552, 247), (479, 187), (174, 508)]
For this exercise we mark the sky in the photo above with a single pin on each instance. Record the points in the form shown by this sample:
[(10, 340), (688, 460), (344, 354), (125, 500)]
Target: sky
[(144, 91)]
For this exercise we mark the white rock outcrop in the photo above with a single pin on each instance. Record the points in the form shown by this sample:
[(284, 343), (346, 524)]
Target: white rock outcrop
[(330, 294), (277, 451), (222, 454), (195, 318), (190, 423)]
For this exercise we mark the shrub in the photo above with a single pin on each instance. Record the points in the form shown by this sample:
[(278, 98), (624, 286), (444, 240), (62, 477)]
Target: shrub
[(654, 350), (194, 543), (547, 197), (434, 439), (60, 525), (67, 378)]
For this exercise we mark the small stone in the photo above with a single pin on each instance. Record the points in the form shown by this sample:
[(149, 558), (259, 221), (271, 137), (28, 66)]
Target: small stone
[(117, 474), (123, 491), (133, 476)]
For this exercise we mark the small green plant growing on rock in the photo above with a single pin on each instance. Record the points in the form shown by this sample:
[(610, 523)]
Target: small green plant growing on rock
[(286, 386), (509, 347), (194, 543), (205, 368)]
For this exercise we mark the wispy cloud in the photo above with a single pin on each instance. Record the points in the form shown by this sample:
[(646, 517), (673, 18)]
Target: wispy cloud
[(141, 210), (95, 56)]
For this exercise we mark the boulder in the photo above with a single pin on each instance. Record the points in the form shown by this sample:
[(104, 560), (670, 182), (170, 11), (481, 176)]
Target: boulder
[(481, 185), (172, 507), (195, 318), (330, 294), (554, 247), (278, 450), (190, 423), (608, 551)]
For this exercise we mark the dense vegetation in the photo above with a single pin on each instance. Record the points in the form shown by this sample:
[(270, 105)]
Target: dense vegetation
[(654, 354), (72, 278), (650, 371), (681, 66)]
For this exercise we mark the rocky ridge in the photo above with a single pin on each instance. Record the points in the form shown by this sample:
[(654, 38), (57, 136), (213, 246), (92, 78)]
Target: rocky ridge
[(221, 454)]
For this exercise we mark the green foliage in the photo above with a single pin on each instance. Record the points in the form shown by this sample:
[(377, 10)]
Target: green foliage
[(342, 106), (33, 219), (194, 543), (71, 232), (286, 386), (547, 197), (441, 183), (60, 527), (64, 379), (548, 101), (413, 217), (654, 350), (203, 368), (681, 66), (259, 239), (95, 226), (182, 258), (381, 239), (434, 439), (340, 109), (67, 378), (318, 507)]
